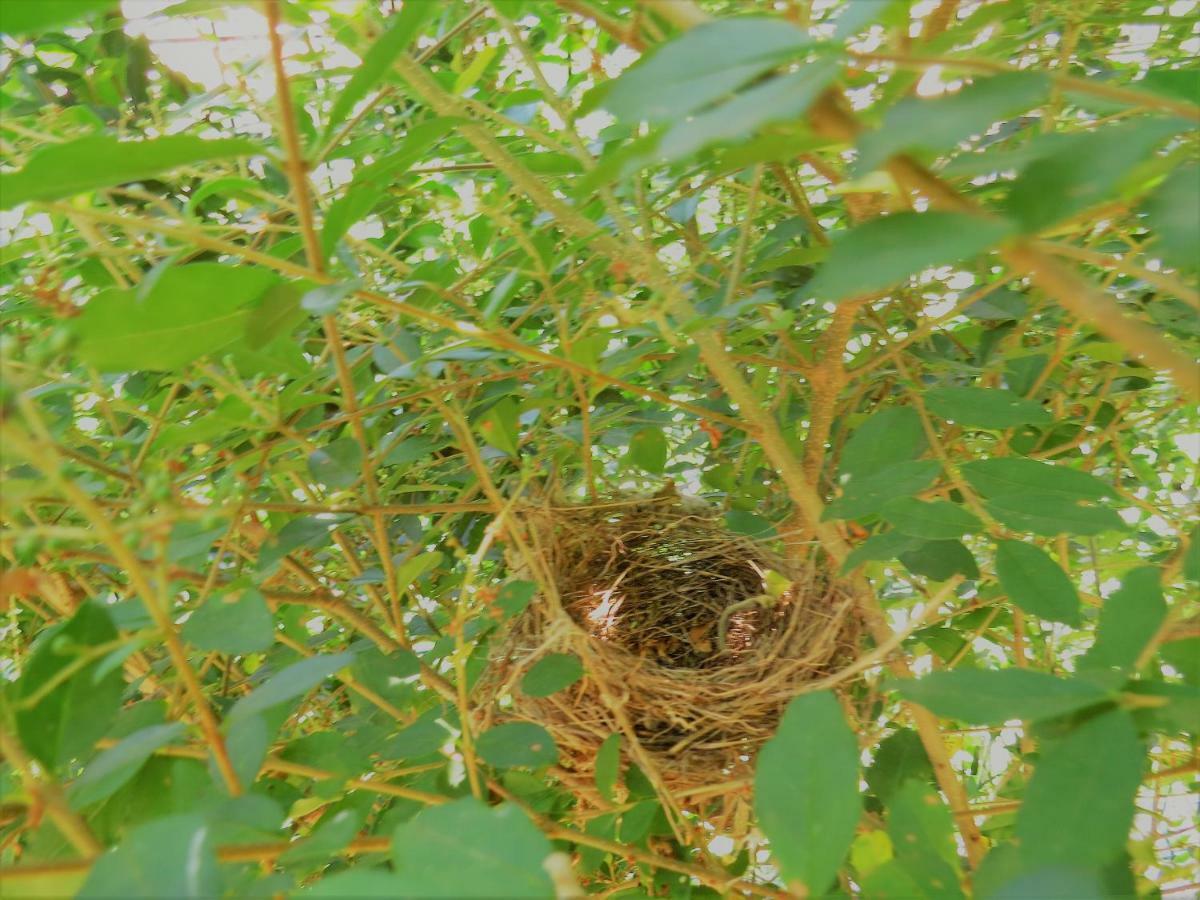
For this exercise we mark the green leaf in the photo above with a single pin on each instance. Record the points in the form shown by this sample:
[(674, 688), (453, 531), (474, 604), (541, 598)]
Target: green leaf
[(992, 697), (517, 744), (412, 569), (172, 857), (1084, 169), (890, 435), (1171, 211), (378, 60), (324, 300), (67, 719), (42, 15), (1011, 475), (356, 882), (922, 833), (237, 621), (608, 766), (1130, 619), (191, 311), (294, 681), (985, 407), (304, 532), (702, 65), (1036, 583), (500, 427), (806, 791), (1191, 557), (1184, 657), (932, 126), (104, 775), (750, 524), (899, 758), (998, 306), (1052, 883), (63, 170), (466, 849), (276, 314), (472, 73), (879, 547), (936, 520), (940, 560), (885, 251), (338, 464), (552, 673), (332, 834), (648, 450), (866, 493), (786, 97), (1038, 515), (919, 823), (1078, 808)]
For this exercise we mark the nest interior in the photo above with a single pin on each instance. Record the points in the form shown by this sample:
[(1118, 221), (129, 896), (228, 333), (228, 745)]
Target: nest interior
[(665, 607)]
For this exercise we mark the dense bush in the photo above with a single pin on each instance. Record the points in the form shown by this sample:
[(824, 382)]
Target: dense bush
[(314, 312)]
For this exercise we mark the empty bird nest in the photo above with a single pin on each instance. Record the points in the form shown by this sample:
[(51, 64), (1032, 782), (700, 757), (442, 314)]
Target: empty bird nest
[(693, 638)]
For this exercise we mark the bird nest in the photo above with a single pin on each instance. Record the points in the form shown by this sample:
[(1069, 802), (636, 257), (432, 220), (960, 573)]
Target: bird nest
[(683, 654)]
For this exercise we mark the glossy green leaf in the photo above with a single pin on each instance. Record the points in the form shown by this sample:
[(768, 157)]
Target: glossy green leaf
[(702, 65), (806, 791), (466, 849), (885, 251), (517, 744), (985, 407), (1079, 806), (1036, 583), (171, 857), (1130, 619), (551, 674), (63, 170), (992, 697), (935, 520), (191, 311), (235, 621)]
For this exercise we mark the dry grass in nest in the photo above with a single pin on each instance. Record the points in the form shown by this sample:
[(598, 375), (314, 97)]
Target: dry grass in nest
[(641, 586)]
